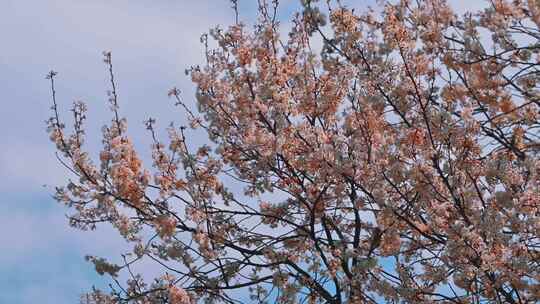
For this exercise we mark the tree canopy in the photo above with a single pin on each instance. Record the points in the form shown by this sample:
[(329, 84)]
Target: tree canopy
[(389, 155)]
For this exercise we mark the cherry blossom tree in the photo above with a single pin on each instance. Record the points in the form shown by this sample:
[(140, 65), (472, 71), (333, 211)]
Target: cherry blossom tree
[(389, 155)]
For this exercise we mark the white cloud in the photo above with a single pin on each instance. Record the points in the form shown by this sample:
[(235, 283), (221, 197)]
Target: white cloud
[(39, 227), (29, 166)]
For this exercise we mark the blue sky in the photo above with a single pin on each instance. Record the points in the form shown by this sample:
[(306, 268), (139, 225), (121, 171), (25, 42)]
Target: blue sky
[(153, 42)]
